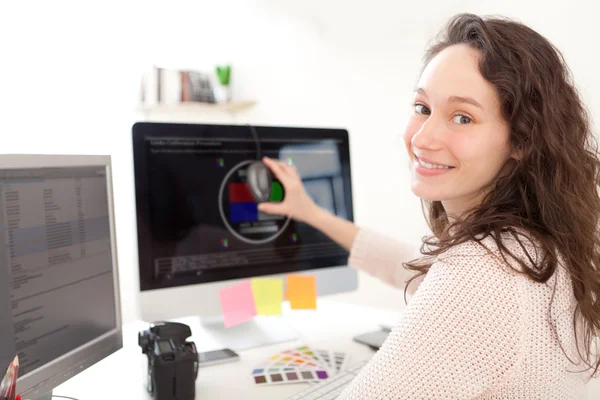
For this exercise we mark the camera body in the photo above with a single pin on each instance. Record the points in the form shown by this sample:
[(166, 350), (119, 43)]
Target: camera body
[(172, 361)]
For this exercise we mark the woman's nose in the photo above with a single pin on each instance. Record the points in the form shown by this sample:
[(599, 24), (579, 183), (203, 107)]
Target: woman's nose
[(428, 137)]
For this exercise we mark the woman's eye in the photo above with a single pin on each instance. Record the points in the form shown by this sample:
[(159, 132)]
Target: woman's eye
[(462, 119), (421, 109)]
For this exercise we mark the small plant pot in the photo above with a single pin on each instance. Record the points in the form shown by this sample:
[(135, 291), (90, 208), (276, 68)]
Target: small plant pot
[(223, 93)]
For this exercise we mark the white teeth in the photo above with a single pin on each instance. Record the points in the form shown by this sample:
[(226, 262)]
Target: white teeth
[(428, 165)]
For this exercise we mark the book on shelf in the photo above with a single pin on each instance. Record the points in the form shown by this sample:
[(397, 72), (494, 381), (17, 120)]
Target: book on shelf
[(172, 86)]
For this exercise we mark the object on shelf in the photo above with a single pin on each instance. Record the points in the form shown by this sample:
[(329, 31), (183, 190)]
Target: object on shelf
[(174, 90), (196, 87), (223, 93), (172, 86), (224, 74)]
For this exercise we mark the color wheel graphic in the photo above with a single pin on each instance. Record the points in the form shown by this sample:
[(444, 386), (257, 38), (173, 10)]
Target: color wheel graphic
[(242, 207), (239, 210)]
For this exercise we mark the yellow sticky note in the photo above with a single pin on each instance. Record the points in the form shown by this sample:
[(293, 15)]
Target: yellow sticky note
[(302, 292), (268, 295)]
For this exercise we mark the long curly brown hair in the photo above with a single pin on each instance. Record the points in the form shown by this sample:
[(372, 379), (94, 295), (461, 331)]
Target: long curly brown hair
[(551, 193)]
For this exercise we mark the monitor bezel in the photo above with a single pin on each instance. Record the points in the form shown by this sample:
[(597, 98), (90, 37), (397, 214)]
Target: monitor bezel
[(141, 131), (45, 378)]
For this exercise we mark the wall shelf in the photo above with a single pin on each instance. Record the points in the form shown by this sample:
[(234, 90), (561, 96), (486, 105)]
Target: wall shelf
[(193, 107)]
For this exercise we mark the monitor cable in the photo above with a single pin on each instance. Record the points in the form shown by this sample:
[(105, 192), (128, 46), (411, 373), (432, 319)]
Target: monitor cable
[(258, 175), (256, 142)]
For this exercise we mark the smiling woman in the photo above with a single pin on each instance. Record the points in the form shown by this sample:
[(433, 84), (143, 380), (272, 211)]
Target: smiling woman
[(506, 300)]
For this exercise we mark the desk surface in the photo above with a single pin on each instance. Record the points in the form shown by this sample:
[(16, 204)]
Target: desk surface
[(332, 326)]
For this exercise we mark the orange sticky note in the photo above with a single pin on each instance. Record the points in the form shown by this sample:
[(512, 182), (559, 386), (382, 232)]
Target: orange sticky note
[(302, 292), (237, 304)]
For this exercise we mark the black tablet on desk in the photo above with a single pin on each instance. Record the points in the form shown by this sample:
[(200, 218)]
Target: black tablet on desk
[(372, 339)]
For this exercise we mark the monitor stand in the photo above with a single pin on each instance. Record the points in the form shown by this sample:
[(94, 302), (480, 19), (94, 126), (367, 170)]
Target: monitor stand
[(259, 331)]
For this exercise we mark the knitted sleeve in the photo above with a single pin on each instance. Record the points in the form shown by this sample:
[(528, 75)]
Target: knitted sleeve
[(458, 338), (382, 257)]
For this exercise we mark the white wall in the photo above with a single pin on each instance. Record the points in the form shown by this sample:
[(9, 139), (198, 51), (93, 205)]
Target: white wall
[(69, 79)]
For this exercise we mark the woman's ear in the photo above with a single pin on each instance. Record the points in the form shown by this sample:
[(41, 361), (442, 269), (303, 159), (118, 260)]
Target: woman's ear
[(517, 153)]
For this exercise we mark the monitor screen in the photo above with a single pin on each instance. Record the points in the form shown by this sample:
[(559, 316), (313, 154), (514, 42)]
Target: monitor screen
[(197, 220), (57, 287)]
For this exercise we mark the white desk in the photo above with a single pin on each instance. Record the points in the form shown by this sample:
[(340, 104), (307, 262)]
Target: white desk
[(332, 326)]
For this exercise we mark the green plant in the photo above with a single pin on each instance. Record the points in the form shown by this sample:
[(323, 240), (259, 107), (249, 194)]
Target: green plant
[(224, 74)]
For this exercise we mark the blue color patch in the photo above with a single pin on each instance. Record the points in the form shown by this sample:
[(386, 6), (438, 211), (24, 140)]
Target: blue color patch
[(243, 212)]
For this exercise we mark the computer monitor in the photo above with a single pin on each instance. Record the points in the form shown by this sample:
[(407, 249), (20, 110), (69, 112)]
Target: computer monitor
[(59, 291), (199, 229)]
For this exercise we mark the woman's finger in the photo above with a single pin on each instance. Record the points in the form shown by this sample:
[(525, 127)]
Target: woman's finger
[(288, 168), (276, 168), (291, 170), (272, 208)]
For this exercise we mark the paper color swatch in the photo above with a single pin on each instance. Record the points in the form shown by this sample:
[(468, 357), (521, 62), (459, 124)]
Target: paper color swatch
[(300, 364), (268, 295), (288, 375), (237, 303), (302, 292)]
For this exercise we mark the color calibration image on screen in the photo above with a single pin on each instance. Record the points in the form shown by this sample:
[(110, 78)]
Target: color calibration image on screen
[(198, 219)]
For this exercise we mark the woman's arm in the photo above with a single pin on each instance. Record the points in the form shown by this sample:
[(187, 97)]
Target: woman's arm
[(382, 257), (375, 253), (340, 230), (378, 255)]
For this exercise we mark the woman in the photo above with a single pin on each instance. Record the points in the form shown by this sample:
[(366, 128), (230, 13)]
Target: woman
[(507, 289)]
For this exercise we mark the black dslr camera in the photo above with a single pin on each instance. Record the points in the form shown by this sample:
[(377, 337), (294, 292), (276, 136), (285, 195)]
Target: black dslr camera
[(172, 361)]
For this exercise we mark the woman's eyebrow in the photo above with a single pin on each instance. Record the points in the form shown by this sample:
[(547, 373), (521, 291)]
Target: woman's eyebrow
[(461, 99), (455, 99)]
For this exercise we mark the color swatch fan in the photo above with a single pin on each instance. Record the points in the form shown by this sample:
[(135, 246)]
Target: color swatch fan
[(298, 365)]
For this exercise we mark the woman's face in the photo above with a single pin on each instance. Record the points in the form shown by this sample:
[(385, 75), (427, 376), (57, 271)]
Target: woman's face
[(456, 139)]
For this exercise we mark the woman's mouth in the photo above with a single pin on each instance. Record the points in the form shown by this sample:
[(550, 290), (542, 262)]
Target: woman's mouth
[(429, 168)]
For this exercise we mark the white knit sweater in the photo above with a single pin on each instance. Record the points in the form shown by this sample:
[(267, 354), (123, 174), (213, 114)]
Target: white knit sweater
[(474, 328)]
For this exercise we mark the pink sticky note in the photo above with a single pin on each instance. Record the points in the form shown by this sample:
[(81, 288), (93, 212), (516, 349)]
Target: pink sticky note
[(237, 303)]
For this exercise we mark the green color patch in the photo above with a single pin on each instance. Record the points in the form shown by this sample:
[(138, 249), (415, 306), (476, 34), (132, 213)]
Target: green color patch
[(276, 192)]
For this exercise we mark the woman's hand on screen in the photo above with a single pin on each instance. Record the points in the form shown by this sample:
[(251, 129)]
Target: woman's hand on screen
[(296, 203)]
